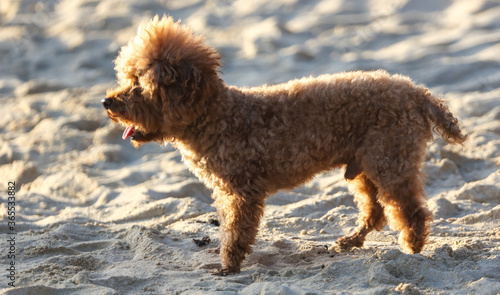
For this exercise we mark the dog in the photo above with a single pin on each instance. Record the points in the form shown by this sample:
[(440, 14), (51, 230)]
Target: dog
[(245, 144)]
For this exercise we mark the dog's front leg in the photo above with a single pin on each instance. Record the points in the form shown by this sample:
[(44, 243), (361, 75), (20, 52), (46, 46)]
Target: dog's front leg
[(240, 217)]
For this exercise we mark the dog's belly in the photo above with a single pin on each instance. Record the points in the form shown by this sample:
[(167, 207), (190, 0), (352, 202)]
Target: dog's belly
[(296, 174), (285, 164)]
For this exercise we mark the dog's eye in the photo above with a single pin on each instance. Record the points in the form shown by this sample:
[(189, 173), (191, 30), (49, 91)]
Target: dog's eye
[(137, 90), (135, 86)]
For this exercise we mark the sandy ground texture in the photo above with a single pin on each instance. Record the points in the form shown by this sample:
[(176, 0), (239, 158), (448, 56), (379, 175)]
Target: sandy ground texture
[(93, 215)]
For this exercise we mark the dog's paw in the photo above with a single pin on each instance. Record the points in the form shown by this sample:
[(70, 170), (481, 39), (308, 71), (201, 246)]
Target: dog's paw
[(347, 243), (214, 250), (224, 272)]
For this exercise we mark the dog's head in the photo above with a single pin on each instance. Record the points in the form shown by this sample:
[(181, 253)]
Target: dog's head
[(167, 76)]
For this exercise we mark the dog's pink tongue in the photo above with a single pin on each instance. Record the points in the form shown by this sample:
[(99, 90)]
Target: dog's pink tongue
[(128, 132)]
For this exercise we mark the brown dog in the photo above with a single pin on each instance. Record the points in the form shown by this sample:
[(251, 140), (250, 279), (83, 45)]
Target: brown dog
[(247, 144)]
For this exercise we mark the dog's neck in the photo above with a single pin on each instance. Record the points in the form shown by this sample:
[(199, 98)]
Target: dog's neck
[(217, 108)]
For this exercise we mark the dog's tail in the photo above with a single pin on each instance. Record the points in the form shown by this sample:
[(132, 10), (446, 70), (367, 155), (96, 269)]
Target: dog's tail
[(446, 124)]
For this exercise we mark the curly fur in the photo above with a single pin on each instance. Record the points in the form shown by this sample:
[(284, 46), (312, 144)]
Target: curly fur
[(248, 143)]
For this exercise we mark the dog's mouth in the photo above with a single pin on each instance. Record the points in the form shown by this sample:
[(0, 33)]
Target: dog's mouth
[(135, 134), (128, 132)]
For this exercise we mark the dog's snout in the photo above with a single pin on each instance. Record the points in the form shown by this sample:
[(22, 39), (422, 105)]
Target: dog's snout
[(107, 102)]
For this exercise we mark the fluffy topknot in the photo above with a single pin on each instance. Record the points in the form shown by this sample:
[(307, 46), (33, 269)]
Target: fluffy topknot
[(162, 45)]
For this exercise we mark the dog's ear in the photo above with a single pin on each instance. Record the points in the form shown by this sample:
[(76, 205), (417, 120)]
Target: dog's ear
[(189, 76), (183, 91)]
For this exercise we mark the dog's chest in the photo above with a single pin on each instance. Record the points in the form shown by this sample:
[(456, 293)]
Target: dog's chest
[(201, 168)]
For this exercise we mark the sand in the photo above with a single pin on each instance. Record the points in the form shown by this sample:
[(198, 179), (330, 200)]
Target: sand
[(96, 216)]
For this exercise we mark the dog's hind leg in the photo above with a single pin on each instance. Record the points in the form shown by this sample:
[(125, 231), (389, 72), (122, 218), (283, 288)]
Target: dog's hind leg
[(404, 204), (240, 218), (371, 214), (394, 166)]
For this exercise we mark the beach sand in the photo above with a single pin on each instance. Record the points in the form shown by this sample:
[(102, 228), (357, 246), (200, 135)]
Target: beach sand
[(93, 215)]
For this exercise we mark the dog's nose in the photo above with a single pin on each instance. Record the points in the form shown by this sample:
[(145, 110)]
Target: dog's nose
[(107, 102)]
